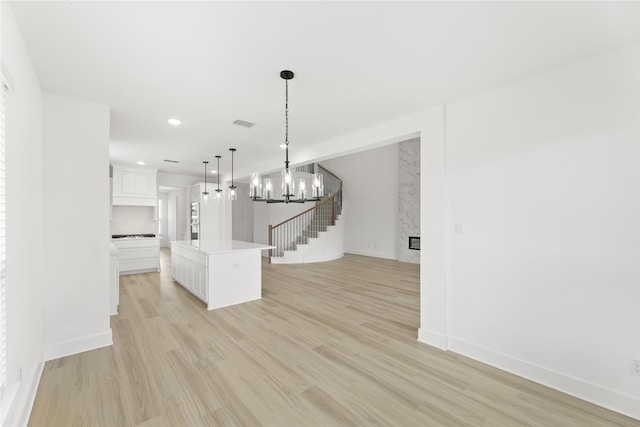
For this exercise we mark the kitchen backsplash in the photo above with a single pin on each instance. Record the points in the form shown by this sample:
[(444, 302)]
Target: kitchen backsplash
[(133, 220)]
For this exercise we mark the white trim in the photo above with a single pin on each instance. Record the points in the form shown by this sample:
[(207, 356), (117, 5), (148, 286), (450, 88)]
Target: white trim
[(7, 397), (372, 254), (598, 395), (20, 411), (301, 259), (77, 345), (6, 80), (433, 338)]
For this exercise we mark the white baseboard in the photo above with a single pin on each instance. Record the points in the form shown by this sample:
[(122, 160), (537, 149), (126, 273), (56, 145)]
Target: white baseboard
[(77, 345), (20, 411), (372, 254), (325, 258), (302, 259), (433, 338), (601, 396)]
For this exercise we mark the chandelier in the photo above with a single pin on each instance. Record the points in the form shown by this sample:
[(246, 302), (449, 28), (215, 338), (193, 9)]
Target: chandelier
[(260, 191)]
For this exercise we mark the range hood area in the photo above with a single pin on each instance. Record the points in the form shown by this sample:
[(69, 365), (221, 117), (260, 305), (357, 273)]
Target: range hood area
[(133, 220), (134, 200), (134, 186)]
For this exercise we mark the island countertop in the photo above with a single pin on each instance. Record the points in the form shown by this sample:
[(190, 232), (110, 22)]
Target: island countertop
[(220, 246)]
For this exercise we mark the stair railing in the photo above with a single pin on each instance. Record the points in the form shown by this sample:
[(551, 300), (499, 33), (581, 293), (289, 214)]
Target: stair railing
[(298, 229)]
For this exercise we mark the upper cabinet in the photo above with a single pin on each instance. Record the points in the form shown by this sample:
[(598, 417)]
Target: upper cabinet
[(134, 186)]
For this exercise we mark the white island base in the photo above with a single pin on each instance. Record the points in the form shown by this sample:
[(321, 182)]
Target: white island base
[(219, 272)]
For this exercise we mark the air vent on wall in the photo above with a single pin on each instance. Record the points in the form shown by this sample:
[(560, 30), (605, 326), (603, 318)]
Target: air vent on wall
[(243, 123), (171, 161)]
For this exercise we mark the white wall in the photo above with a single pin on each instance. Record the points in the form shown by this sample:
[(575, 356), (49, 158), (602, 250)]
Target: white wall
[(370, 194), (76, 225), (242, 214), (182, 228), (133, 220), (542, 175), (172, 215), (24, 187), (163, 218)]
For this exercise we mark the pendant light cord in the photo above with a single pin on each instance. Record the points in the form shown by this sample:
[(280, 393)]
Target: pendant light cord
[(232, 151), (205, 177), (286, 124), (286, 112)]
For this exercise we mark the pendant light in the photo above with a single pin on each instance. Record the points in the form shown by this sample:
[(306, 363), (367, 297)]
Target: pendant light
[(233, 192), (205, 194), (263, 192), (218, 190)]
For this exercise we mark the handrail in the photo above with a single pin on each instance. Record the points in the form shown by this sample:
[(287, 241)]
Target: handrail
[(332, 174), (305, 223), (300, 214), (325, 200)]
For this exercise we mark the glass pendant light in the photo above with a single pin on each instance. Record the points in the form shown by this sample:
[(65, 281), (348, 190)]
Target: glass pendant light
[(317, 189), (205, 193), (255, 187), (218, 190), (268, 189)]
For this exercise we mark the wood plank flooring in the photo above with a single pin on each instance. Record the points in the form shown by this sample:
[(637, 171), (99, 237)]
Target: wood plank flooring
[(330, 344)]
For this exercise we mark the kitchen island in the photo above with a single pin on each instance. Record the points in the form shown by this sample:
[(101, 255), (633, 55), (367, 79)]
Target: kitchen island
[(218, 272)]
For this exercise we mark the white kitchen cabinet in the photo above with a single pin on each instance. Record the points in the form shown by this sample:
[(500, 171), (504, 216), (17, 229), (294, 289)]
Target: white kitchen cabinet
[(190, 270), (134, 186), (138, 255)]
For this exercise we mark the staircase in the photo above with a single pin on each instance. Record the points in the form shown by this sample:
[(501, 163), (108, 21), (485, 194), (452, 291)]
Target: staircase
[(314, 235)]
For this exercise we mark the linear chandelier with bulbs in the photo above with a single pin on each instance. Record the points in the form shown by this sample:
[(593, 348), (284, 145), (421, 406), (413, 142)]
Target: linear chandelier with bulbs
[(262, 191)]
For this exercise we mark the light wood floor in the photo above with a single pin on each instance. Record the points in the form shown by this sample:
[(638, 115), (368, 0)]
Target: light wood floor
[(329, 344)]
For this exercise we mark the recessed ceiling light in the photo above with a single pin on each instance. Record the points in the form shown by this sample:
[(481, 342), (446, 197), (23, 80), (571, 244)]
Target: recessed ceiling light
[(140, 162), (174, 122), (214, 171), (283, 146)]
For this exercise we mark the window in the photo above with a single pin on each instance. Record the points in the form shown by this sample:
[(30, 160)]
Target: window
[(3, 246)]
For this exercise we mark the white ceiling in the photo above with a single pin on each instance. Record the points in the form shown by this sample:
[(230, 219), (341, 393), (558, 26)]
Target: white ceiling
[(356, 64)]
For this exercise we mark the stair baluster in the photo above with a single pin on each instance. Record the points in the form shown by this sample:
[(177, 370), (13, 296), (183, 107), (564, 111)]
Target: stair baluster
[(298, 229)]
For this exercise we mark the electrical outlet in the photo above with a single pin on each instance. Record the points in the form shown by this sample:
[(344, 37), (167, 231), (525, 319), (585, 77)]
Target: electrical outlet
[(635, 367)]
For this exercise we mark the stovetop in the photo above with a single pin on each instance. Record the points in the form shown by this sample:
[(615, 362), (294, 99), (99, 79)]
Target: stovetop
[(132, 236)]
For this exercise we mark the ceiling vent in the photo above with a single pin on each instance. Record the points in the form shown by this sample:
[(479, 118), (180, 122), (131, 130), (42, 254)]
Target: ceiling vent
[(171, 161), (243, 123)]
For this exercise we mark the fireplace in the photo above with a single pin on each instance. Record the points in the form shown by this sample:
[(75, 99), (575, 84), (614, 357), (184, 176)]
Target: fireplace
[(414, 243)]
